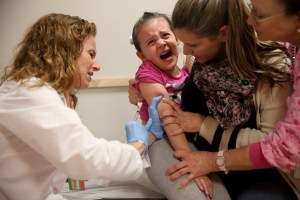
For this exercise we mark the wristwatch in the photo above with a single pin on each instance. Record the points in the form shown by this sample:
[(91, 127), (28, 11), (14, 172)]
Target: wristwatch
[(220, 161)]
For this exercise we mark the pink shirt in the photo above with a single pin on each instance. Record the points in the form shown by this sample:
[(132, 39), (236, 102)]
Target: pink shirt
[(149, 73), (281, 148)]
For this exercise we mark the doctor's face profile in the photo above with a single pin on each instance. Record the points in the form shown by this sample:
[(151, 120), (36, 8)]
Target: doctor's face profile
[(87, 63)]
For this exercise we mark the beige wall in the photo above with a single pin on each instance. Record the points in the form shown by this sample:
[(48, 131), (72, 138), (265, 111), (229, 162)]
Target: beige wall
[(103, 110)]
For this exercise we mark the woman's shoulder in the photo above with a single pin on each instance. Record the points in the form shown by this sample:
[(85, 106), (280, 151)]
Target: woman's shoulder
[(267, 95), (264, 87), (278, 59)]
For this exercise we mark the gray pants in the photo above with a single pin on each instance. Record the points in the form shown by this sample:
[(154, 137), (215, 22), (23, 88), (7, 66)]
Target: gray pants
[(161, 157)]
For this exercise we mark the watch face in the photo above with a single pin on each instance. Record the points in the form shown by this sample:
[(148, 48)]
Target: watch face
[(220, 160)]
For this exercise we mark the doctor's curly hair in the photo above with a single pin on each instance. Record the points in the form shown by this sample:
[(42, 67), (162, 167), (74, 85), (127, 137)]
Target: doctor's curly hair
[(49, 51)]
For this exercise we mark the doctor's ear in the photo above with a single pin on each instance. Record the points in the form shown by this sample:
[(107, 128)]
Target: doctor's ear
[(141, 56)]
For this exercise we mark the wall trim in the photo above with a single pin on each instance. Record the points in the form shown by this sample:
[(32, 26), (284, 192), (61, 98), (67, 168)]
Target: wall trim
[(110, 82)]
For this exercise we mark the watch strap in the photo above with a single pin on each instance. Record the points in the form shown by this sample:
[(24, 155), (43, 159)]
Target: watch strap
[(220, 161)]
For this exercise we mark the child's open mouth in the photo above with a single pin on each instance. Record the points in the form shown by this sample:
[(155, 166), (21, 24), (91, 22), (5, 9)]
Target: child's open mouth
[(166, 55)]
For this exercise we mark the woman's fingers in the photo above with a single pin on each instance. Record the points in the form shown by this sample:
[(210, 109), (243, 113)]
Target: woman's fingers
[(205, 184), (170, 171), (132, 81), (176, 132), (188, 165), (172, 104), (179, 165), (167, 113), (134, 95), (186, 181), (199, 183)]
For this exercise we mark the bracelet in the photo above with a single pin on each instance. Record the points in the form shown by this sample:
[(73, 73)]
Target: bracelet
[(220, 161)]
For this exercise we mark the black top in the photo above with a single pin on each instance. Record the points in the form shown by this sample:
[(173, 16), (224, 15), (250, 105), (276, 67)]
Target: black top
[(193, 100)]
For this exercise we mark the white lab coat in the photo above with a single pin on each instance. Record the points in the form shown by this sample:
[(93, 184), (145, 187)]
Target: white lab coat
[(42, 142)]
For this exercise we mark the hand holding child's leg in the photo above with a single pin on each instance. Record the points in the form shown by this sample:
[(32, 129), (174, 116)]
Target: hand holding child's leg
[(205, 184)]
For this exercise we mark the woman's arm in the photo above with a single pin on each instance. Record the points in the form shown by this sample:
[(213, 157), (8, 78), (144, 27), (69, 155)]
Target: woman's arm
[(198, 163), (270, 107), (281, 148), (256, 155), (270, 104)]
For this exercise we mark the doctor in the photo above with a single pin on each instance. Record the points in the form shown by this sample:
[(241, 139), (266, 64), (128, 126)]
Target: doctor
[(42, 139)]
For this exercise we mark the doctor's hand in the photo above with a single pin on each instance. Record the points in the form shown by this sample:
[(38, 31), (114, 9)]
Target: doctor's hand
[(136, 132), (134, 95), (156, 128)]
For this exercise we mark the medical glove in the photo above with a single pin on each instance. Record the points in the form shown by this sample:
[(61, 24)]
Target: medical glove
[(138, 132), (156, 127)]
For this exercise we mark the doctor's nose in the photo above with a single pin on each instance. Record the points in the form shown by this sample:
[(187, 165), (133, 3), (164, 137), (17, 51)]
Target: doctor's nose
[(95, 67)]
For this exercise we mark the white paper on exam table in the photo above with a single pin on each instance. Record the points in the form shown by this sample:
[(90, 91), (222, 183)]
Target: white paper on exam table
[(141, 188)]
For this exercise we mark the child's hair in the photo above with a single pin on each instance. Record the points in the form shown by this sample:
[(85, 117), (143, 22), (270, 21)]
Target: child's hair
[(246, 55), (147, 16)]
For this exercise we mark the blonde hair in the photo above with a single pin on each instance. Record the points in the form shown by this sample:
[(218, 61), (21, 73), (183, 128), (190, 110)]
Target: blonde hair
[(49, 51), (247, 57)]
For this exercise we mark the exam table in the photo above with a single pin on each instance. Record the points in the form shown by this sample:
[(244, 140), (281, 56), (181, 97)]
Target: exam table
[(141, 188)]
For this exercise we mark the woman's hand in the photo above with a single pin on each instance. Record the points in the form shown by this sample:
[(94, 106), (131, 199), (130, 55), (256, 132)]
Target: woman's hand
[(195, 163), (188, 121), (205, 185), (134, 95)]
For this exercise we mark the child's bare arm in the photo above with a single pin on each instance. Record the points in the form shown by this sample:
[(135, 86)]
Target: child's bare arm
[(179, 142), (149, 91)]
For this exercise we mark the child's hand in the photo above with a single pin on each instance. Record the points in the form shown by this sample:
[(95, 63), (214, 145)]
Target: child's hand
[(205, 184)]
